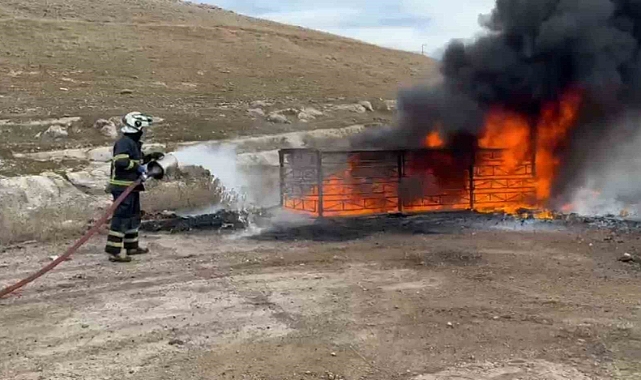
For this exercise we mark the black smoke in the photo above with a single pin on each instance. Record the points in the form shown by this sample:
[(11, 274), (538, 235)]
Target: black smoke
[(533, 51)]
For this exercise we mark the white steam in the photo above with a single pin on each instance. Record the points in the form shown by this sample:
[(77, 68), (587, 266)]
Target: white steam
[(613, 185), (246, 186), (589, 201), (219, 160)]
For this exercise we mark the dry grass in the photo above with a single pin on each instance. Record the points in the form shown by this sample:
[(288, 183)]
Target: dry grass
[(181, 196), (70, 221), (187, 188), (58, 222), (49, 223)]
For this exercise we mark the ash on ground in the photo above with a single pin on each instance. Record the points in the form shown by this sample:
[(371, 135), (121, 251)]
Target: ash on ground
[(280, 225), (222, 220), (607, 221)]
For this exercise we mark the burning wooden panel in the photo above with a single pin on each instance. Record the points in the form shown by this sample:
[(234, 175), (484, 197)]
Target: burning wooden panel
[(359, 183), (352, 183), (502, 184), (299, 179), (434, 180)]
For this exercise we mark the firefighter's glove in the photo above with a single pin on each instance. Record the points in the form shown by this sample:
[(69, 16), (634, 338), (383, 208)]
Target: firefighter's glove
[(142, 171)]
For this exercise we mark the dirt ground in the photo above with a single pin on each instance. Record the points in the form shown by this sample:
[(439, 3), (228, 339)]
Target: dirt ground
[(428, 297)]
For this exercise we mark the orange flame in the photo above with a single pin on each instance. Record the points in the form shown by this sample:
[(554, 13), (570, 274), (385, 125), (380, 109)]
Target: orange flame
[(350, 192), (512, 132), (433, 140), (509, 131), (524, 144), (555, 123), (365, 197)]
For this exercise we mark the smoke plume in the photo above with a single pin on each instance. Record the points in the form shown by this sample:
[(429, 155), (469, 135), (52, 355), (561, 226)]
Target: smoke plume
[(532, 53)]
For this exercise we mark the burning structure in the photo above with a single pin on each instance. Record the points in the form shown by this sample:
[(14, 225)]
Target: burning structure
[(350, 183), (529, 110)]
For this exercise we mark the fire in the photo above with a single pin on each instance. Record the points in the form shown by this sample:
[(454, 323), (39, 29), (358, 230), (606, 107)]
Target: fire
[(355, 190), (433, 140), (521, 141), (364, 198), (509, 131), (554, 126), (513, 171)]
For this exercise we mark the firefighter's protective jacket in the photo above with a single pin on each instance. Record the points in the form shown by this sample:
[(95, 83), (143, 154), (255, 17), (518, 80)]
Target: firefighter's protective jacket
[(127, 158)]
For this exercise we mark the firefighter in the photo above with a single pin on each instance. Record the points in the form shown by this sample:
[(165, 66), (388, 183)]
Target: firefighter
[(128, 165)]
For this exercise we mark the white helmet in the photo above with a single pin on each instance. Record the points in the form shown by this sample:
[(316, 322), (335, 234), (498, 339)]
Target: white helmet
[(134, 122)]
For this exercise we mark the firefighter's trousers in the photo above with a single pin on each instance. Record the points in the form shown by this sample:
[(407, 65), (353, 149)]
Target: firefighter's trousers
[(125, 224)]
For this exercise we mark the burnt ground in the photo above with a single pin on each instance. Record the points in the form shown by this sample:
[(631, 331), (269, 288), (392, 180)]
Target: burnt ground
[(445, 296)]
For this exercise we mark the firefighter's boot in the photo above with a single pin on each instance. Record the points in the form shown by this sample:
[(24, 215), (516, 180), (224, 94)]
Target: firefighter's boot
[(137, 251), (120, 258)]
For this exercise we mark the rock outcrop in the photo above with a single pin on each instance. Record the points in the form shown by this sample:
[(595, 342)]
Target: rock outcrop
[(277, 118), (92, 180), (107, 128), (30, 193), (256, 112), (358, 108), (100, 154), (35, 191), (391, 105), (258, 104), (54, 132), (367, 105), (309, 113)]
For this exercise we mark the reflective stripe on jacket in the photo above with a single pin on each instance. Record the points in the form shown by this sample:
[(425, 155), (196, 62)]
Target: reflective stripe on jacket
[(127, 157)]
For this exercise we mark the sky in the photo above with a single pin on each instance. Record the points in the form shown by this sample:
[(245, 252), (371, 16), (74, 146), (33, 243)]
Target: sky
[(411, 25)]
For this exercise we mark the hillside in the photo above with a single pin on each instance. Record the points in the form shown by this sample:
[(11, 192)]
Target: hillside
[(196, 66)]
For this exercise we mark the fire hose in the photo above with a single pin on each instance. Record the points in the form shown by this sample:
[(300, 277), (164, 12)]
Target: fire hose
[(157, 169), (10, 289)]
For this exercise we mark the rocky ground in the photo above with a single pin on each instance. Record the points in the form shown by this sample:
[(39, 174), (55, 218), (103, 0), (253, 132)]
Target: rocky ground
[(57, 144), (209, 73), (70, 69), (429, 297), (67, 186)]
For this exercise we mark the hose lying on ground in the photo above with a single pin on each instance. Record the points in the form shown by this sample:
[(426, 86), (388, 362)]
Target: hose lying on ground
[(73, 248)]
